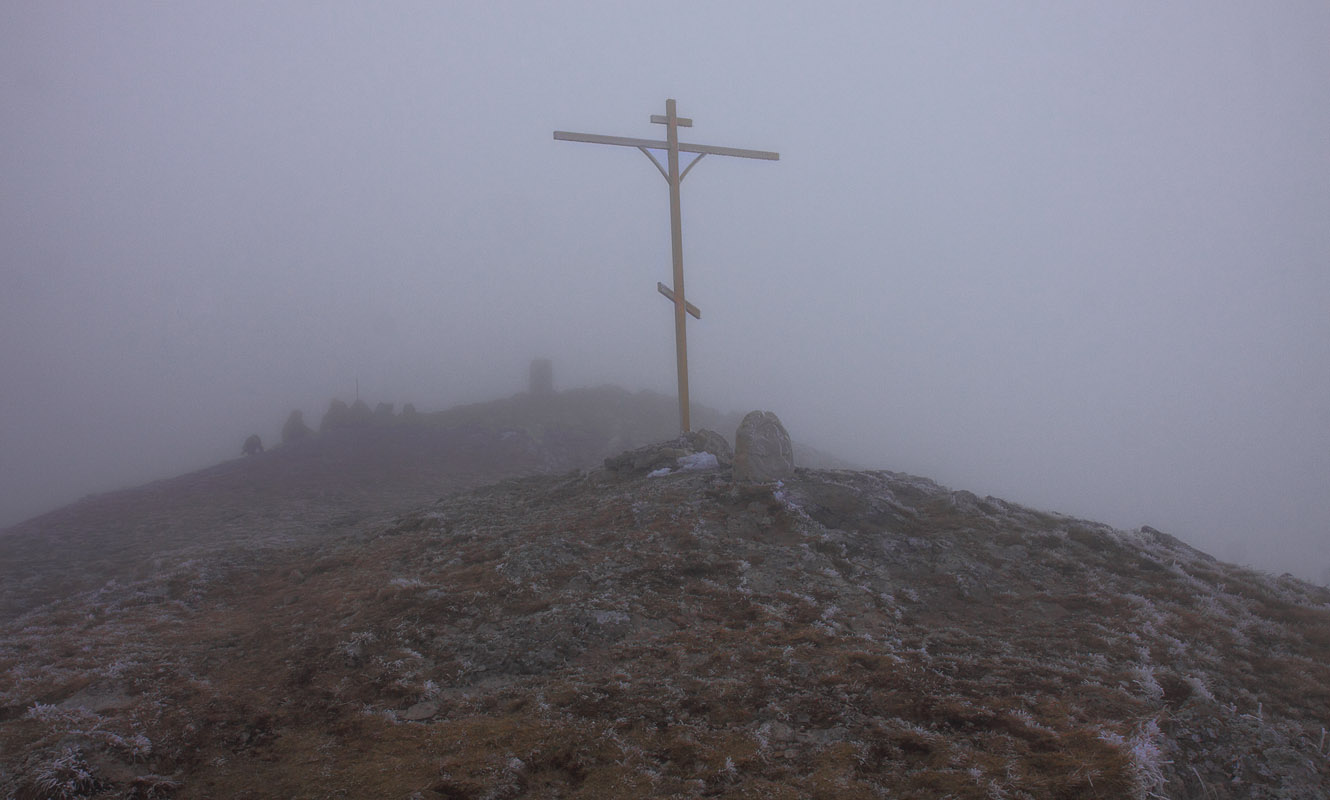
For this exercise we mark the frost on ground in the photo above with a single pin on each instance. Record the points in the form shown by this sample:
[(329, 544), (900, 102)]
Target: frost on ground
[(698, 461), (843, 634)]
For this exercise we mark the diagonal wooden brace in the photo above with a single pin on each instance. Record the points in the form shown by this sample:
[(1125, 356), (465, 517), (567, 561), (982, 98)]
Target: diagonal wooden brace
[(669, 295)]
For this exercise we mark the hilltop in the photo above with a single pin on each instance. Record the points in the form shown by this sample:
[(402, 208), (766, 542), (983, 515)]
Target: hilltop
[(331, 483), (603, 633)]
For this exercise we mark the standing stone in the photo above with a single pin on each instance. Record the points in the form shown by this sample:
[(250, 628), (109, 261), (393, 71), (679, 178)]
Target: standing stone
[(762, 449), (541, 382)]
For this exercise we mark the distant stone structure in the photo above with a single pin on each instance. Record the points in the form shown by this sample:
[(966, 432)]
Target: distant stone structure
[(295, 429), (360, 416), (338, 415), (253, 445), (541, 383), (762, 449)]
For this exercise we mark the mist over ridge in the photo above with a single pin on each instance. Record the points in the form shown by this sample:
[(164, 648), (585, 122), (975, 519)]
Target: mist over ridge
[(1074, 258)]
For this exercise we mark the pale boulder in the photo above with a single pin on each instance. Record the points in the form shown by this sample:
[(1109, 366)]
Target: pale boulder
[(762, 449)]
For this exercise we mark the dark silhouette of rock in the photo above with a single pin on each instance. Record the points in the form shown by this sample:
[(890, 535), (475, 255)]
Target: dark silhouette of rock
[(360, 416), (383, 413), (253, 445), (295, 429), (762, 449), (337, 416)]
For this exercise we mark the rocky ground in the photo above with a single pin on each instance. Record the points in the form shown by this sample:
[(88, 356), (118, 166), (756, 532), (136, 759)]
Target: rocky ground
[(607, 634), (324, 487)]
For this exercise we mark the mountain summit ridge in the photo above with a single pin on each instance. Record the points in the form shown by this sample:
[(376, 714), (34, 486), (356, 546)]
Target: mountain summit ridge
[(334, 480), (606, 633)]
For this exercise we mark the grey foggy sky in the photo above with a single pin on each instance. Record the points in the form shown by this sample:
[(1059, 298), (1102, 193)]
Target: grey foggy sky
[(1073, 255)]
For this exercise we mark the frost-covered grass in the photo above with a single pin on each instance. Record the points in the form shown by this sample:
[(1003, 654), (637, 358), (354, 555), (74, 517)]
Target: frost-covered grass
[(1145, 755), (847, 634), (66, 776)]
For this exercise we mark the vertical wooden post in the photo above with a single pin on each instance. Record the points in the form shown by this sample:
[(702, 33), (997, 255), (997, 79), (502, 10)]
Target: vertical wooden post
[(672, 122), (676, 250)]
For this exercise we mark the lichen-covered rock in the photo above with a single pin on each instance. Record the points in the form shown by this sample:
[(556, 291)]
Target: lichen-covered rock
[(662, 457), (762, 449), (708, 441), (647, 458)]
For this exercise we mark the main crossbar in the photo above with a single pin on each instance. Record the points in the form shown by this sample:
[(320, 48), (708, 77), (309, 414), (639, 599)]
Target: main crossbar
[(653, 144)]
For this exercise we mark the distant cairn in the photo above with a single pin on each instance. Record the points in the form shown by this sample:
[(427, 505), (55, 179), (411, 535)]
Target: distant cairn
[(295, 429), (340, 415)]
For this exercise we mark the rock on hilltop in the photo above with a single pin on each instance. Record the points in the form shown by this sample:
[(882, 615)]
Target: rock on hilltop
[(839, 635)]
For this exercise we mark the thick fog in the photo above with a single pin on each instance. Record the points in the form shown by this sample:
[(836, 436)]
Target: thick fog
[(1073, 255)]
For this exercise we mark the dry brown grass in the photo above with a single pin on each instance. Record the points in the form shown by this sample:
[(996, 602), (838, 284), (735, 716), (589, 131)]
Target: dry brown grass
[(588, 642)]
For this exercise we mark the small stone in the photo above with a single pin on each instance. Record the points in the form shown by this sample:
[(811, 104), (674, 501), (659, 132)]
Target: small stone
[(421, 711), (762, 449), (780, 732), (98, 699)]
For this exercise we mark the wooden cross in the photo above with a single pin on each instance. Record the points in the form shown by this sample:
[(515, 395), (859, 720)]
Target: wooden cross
[(672, 146)]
